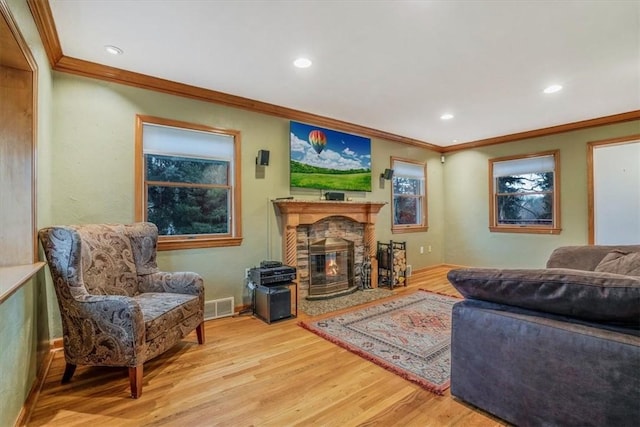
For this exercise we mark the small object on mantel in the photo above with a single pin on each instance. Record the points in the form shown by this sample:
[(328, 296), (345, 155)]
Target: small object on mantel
[(284, 198)]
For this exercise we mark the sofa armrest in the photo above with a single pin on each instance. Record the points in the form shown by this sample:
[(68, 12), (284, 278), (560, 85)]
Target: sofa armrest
[(597, 297), (584, 257), (179, 283)]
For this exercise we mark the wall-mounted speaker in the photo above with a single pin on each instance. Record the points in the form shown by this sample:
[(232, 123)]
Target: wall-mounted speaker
[(387, 174), (263, 158)]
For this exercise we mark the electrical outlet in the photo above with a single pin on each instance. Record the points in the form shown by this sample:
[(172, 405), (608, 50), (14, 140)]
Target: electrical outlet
[(421, 249), (246, 273), (429, 248)]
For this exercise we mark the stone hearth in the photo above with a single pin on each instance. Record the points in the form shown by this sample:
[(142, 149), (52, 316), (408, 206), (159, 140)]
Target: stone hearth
[(304, 222)]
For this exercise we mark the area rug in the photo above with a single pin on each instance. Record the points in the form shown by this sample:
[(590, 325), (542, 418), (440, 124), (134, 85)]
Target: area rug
[(409, 335), (318, 307)]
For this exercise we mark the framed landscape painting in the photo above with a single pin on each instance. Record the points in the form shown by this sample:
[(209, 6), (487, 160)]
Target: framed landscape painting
[(329, 160)]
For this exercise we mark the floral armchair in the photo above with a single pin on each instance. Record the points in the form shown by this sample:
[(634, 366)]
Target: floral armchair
[(117, 308)]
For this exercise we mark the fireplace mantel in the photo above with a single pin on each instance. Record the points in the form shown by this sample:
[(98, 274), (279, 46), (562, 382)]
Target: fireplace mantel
[(294, 213), (301, 212)]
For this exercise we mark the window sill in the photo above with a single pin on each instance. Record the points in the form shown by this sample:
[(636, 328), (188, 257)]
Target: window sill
[(408, 229), (525, 229), (169, 244), (13, 277)]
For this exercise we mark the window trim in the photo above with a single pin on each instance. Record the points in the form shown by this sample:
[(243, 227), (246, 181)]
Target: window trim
[(555, 227), (410, 228), (190, 241)]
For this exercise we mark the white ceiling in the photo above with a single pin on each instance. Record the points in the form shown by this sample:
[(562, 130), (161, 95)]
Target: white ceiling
[(395, 66)]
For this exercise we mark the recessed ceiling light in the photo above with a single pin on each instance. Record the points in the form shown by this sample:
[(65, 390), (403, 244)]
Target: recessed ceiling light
[(113, 50), (302, 63), (446, 116), (552, 89)]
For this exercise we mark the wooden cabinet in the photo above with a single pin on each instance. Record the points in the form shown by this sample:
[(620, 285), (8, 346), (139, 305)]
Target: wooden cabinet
[(18, 74)]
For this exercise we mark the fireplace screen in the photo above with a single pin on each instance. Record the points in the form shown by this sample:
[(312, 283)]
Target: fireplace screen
[(330, 266)]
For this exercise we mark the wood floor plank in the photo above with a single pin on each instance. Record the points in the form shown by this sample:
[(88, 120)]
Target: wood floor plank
[(250, 373)]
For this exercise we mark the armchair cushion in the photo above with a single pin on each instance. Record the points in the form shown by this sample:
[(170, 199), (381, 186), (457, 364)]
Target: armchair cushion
[(161, 311), (107, 260), (591, 296), (620, 262)]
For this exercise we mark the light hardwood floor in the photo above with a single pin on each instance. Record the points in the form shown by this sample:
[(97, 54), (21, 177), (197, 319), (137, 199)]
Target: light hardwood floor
[(250, 373)]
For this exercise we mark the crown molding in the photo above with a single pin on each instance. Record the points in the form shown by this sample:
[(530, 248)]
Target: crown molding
[(583, 124), (43, 18)]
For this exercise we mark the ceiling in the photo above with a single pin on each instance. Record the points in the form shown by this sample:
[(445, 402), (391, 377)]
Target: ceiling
[(395, 66)]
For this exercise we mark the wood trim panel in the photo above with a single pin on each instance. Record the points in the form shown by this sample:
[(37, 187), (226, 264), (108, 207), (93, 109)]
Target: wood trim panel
[(583, 124), (591, 212), (19, 99), (197, 243), (43, 18), (12, 54)]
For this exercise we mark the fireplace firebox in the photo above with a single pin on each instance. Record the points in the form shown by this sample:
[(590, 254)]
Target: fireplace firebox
[(331, 267)]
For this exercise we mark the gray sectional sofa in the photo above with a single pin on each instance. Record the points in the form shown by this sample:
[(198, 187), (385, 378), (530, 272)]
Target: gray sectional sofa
[(558, 346)]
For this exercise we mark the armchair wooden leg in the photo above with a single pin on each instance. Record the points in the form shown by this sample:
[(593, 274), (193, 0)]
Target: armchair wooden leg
[(200, 333), (135, 380), (69, 370)]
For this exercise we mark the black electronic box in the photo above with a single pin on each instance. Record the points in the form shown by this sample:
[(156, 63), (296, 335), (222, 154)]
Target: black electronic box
[(272, 303), (270, 274)]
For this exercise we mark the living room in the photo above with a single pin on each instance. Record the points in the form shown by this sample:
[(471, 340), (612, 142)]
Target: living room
[(85, 174)]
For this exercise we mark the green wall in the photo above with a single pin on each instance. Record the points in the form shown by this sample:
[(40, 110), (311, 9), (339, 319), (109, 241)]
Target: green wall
[(93, 175), (468, 240)]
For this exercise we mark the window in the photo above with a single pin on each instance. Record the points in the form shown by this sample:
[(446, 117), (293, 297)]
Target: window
[(188, 183), (525, 193), (409, 208)]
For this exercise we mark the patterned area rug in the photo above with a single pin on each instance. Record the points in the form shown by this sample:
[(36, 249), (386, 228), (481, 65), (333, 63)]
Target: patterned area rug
[(317, 307), (410, 336)]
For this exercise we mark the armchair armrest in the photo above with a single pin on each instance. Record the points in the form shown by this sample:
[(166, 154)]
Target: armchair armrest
[(180, 283), (111, 325)]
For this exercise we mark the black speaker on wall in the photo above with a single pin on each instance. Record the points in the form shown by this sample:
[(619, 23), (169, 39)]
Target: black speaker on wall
[(387, 174), (263, 158)]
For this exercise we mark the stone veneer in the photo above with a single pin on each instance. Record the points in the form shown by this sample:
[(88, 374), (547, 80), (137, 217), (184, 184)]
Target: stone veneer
[(305, 220)]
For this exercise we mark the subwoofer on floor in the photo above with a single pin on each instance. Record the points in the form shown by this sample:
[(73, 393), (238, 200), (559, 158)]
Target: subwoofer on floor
[(273, 303)]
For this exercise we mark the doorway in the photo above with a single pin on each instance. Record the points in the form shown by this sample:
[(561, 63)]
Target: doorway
[(614, 191)]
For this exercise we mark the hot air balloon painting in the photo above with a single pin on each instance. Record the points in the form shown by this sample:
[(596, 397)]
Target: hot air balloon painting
[(318, 140), (326, 159)]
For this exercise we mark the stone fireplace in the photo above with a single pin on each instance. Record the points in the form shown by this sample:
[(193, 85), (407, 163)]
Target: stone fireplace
[(312, 227)]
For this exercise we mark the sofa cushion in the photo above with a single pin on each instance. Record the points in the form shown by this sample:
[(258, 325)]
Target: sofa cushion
[(593, 296), (620, 262)]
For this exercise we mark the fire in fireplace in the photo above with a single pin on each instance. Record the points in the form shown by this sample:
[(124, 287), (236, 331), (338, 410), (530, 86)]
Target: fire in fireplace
[(330, 266)]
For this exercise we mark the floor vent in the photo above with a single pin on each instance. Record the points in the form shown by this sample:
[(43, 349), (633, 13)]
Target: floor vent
[(407, 272), (217, 308)]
